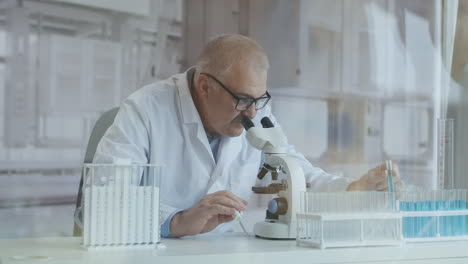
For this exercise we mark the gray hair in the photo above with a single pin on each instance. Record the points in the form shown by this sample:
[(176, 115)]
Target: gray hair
[(223, 52)]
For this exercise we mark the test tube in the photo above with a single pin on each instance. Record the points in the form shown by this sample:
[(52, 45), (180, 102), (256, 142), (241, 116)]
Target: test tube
[(87, 185), (462, 201), (433, 208), (445, 153), (389, 165)]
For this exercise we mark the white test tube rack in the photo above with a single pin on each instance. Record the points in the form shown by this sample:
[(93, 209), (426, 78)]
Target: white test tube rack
[(121, 205)]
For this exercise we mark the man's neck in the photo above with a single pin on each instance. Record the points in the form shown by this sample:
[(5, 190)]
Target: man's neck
[(211, 138)]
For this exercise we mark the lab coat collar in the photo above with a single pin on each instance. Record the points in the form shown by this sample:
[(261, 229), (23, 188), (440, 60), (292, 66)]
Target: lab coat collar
[(229, 146), (188, 110)]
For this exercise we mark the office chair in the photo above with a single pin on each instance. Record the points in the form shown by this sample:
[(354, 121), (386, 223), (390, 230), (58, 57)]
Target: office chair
[(101, 126)]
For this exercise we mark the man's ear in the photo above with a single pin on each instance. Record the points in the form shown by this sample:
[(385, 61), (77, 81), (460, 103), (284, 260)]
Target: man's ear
[(201, 85)]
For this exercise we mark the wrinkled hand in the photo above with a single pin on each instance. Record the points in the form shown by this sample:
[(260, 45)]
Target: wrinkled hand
[(376, 180), (211, 211)]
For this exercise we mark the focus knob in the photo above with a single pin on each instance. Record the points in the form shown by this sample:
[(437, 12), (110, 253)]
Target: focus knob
[(278, 206)]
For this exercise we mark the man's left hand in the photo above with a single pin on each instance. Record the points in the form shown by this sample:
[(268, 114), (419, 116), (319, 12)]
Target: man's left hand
[(376, 180)]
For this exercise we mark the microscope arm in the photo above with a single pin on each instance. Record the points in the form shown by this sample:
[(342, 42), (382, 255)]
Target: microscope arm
[(296, 186)]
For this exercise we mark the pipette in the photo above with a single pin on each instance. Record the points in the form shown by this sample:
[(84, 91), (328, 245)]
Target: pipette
[(389, 166), (238, 217)]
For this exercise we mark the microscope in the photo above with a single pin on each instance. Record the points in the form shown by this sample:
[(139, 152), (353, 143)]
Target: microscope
[(280, 222)]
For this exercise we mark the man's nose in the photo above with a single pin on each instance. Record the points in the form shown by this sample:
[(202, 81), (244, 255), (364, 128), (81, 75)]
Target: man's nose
[(250, 112)]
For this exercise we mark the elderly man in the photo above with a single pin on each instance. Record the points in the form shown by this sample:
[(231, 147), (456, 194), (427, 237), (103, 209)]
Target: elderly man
[(191, 123)]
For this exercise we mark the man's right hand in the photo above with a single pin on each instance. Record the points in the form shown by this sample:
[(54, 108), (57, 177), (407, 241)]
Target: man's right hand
[(211, 211)]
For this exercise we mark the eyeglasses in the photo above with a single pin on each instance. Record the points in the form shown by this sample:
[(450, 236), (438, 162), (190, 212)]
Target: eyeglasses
[(243, 103)]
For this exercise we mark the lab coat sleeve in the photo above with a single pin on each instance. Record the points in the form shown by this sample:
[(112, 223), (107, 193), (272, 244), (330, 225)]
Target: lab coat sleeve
[(128, 139), (319, 179)]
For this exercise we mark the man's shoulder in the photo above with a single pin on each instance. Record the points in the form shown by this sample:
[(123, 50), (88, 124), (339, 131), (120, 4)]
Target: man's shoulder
[(157, 100), (153, 94), (153, 91)]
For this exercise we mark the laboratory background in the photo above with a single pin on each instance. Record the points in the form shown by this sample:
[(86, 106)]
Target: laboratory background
[(353, 83)]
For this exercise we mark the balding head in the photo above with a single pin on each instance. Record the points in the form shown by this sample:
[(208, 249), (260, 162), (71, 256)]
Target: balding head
[(223, 53), (231, 68)]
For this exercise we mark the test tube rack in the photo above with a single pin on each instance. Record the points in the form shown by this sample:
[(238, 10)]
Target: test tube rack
[(347, 219), (121, 205)]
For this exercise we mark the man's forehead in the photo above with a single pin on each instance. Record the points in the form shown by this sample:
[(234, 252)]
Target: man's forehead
[(253, 92), (249, 84)]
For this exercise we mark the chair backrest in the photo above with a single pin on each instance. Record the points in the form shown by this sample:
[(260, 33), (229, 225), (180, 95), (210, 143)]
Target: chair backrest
[(101, 126)]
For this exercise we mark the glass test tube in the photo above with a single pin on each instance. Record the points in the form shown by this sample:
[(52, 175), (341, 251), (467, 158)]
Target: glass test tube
[(445, 153)]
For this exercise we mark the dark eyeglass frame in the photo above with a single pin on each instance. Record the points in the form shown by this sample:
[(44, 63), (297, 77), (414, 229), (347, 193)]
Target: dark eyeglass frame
[(250, 100)]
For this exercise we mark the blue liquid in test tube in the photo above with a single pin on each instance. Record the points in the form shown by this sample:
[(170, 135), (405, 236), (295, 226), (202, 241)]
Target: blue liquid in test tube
[(412, 222)]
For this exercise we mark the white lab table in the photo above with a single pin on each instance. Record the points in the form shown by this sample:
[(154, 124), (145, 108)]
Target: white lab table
[(225, 249)]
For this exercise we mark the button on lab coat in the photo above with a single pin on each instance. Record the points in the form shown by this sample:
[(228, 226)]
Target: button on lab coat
[(159, 124)]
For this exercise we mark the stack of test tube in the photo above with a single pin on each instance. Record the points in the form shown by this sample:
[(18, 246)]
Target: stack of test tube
[(346, 202), (434, 215), (345, 219), (120, 205)]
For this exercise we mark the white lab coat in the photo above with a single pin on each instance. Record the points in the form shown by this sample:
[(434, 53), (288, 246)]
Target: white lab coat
[(159, 124)]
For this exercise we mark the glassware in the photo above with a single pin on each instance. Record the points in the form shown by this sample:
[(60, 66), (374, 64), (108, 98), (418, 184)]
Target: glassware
[(445, 153)]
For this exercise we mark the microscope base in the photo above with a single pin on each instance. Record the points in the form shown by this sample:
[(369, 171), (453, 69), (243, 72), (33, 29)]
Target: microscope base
[(273, 230)]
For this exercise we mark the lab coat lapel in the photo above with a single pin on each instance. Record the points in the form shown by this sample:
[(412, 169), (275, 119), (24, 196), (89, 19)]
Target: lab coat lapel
[(191, 118), (230, 147), (203, 139), (228, 151)]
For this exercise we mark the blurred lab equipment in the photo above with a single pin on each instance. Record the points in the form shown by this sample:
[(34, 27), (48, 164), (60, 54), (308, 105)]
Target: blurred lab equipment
[(280, 222)]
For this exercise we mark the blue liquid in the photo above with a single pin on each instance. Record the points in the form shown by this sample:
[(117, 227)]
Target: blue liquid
[(420, 227)]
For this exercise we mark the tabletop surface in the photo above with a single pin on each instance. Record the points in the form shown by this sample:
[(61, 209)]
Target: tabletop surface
[(225, 248)]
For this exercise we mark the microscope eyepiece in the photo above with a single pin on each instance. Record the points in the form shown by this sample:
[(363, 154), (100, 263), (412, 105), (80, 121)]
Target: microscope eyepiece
[(247, 123), (266, 122)]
